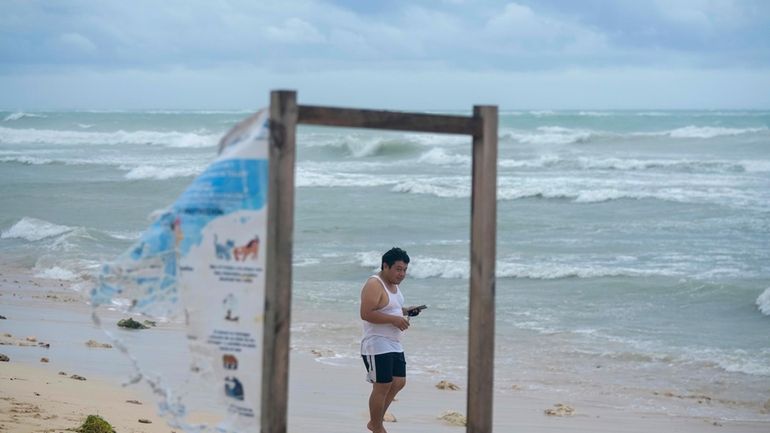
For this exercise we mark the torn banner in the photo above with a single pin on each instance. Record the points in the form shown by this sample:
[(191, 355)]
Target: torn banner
[(202, 261)]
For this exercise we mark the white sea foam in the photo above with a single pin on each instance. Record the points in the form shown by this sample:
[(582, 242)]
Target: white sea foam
[(363, 148), (125, 235), (756, 166), (432, 267), (369, 259), (301, 263), (33, 229), (313, 178), (20, 115), (635, 164), (439, 156), (539, 162), (448, 187), (162, 173), (426, 267), (721, 190), (29, 160), (652, 113), (57, 273), (710, 131), (763, 302), (437, 139), (540, 113), (553, 135), (595, 113), (135, 165), (196, 139)]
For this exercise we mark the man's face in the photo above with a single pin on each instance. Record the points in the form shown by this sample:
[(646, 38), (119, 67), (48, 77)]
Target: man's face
[(395, 274)]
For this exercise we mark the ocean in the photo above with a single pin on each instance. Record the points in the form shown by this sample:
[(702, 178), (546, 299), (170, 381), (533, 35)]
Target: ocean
[(633, 246)]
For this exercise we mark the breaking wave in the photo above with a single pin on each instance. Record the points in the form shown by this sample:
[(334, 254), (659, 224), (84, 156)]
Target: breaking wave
[(710, 131), (545, 135), (633, 164), (33, 229), (557, 135), (763, 302), (439, 156), (20, 115), (318, 178), (197, 139), (697, 190), (28, 160), (431, 267), (162, 173)]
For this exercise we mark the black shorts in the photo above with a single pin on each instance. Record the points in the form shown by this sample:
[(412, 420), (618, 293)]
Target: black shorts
[(383, 367)]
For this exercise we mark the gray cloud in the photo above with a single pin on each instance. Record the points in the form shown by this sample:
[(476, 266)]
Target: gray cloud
[(292, 41)]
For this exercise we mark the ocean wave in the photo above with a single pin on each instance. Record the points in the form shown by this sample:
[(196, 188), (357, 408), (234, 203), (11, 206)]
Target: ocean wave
[(439, 156), (693, 189), (553, 135), (661, 164), (20, 115), (763, 302), (432, 267), (439, 187), (316, 178), (57, 273), (596, 113), (653, 113), (28, 160), (633, 164), (710, 131), (124, 235), (33, 229), (162, 173), (362, 146), (733, 361), (199, 139), (178, 166), (558, 135), (540, 113)]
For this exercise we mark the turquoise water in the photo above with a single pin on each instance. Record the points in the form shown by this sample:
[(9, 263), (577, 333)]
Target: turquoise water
[(633, 246)]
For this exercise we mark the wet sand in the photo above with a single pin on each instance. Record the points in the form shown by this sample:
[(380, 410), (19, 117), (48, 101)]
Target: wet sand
[(35, 397)]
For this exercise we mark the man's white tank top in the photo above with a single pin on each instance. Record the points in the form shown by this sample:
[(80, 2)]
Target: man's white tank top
[(384, 337)]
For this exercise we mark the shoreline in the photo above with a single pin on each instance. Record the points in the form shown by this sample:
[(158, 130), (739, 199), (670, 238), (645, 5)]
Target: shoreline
[(322, 397)]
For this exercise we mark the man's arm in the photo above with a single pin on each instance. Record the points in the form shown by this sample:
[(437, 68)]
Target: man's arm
[(371, 298)]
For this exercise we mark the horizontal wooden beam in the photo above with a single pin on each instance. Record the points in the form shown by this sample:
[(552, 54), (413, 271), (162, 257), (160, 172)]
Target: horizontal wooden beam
[(394, 120)]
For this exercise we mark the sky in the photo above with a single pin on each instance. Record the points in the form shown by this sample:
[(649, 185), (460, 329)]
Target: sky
[(390, 54)]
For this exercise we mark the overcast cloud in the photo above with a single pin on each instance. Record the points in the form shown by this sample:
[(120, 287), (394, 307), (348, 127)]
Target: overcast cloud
[(390, 54)]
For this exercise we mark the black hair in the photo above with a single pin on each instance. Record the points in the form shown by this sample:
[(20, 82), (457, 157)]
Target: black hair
[(392, 256)]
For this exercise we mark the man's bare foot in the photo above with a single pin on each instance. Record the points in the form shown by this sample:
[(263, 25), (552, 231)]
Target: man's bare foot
[(374, 429)]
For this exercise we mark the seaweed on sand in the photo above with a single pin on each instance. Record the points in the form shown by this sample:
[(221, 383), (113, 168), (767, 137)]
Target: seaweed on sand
[(95, 424)]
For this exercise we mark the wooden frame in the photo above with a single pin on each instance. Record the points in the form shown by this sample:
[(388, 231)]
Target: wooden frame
[(285, 114)]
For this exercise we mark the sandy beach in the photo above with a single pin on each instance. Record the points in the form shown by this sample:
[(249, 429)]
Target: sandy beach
[(43, 319)]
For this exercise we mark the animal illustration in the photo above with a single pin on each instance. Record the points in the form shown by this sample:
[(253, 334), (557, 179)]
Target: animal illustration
[(233, 388), (230, 362), (223, 250), (250, 249)]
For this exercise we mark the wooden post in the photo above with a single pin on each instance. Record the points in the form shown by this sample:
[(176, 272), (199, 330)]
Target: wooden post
[(280, 229), (284, 116), (481, 332)]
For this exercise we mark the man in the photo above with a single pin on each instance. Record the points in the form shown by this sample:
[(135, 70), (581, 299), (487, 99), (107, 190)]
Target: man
[(382, 310)]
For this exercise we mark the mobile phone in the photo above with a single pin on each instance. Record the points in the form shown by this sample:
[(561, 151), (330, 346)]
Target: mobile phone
[(415, 310)]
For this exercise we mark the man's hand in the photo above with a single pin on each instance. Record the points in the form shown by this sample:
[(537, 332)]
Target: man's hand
[(400, 322)]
